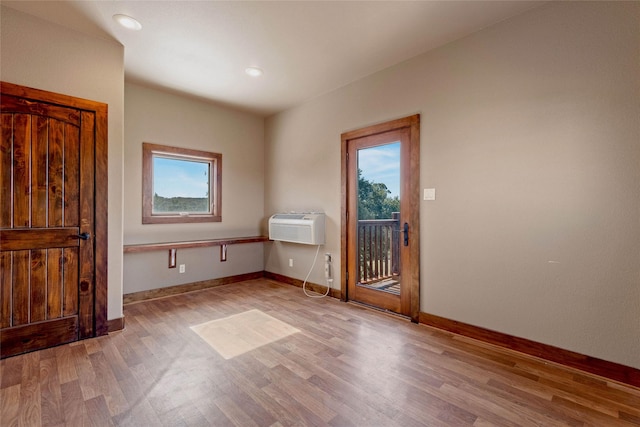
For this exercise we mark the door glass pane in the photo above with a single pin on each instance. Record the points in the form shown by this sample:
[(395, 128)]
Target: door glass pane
[(379, 218)]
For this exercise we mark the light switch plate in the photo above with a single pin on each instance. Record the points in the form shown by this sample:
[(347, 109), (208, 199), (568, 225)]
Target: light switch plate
[(429, 194)]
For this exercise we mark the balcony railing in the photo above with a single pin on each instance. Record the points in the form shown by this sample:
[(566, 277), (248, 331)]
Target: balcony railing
[(379, 249)]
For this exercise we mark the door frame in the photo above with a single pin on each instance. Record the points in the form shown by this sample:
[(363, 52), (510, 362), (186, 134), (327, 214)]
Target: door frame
[(412, 123), (92, 318)]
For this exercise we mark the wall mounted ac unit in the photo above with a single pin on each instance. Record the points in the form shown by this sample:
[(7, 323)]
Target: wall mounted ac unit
[(306, 228)]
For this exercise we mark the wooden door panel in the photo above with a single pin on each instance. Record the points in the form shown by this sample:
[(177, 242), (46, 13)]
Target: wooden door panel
[(17, 104), (55, 281), (38, 286), (56, 162), (42, 167), (6, 285), (39, 238), (20, 293), (31, 337), (52, 275), (39, 172), (6, 197), (44, 192), (52, 163), (21, 171), (70, 281), (71, 178)]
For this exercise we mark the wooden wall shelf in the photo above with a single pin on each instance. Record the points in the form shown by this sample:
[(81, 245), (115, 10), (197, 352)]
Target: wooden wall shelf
[(172, 247), (146, 247)]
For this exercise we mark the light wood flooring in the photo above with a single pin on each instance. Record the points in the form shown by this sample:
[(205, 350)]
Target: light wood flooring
[(348, 366)]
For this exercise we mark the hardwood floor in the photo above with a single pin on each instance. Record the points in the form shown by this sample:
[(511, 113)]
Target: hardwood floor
[(348, 366)]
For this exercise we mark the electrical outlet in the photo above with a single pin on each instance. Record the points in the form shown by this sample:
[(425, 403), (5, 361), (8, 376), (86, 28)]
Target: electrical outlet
[(182, 268), (327, 271), (290, 262), (327, 266)]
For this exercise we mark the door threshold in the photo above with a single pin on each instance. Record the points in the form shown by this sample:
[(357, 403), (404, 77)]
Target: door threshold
[(380, 310)]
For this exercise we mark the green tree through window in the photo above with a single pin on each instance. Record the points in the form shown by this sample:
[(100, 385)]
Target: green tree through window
[(374, 200)]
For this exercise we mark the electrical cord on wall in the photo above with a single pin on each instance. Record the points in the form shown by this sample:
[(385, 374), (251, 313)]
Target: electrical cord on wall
[(304, 284)]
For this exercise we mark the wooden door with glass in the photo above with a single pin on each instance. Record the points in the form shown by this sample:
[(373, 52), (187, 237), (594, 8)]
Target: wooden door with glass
[(381, 217)]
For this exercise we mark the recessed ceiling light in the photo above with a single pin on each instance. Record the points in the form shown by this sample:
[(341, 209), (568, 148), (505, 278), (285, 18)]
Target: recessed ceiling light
[(127, 22), (254, 71)]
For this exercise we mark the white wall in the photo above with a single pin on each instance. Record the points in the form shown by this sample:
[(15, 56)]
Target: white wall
[(42, 55), (530, 134), (163, 118)]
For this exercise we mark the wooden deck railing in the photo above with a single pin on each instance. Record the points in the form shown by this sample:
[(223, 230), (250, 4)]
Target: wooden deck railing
[(379, 243)]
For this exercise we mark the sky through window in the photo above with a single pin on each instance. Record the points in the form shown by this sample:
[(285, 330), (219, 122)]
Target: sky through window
[(382, 164), (180, 178)]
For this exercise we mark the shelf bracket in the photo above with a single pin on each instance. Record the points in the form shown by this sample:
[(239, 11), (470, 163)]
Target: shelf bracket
[(173, 252)]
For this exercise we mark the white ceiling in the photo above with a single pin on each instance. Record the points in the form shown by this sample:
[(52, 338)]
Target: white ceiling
[(306, 48)]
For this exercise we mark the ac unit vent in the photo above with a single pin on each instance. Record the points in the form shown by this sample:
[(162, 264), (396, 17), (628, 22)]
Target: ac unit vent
[(297, 228)]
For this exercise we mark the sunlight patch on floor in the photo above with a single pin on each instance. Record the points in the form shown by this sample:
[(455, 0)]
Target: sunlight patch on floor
[(243, 332)]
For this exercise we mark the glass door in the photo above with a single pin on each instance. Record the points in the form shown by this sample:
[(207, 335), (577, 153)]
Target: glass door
[(376, 225), (379, 218)]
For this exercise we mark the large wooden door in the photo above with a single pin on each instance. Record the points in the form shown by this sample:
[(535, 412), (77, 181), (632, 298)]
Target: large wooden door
[(381, 216), (52, 271)]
